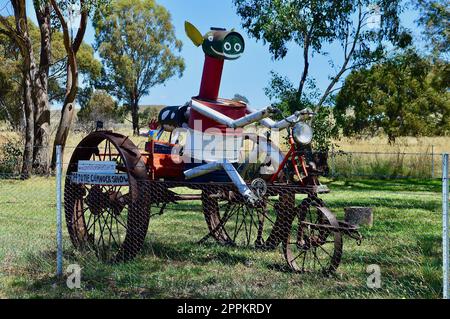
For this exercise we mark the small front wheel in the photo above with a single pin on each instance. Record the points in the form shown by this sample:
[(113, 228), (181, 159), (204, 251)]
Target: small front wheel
[(314, 243)]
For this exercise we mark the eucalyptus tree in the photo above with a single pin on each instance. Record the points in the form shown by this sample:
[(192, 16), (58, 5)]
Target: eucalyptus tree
[(64, 11), (362, 28), (435, 20), (136, 41), (406, 95), (15, 25)]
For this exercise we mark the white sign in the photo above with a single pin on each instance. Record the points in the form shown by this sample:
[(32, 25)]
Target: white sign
[(100, 179), (100, 167)]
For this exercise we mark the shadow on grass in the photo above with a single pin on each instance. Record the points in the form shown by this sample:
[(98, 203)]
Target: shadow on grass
[(196, 253), (407, 184), (280, 267), (404, 205)]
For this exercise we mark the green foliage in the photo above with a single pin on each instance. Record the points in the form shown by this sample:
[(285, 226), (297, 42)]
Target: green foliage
[(405, 96), (311, 25), (435, 18), (11, 75), (324, 130), (10, 82), (283, 92), (10, 105), (10, 157), (148, 114), (101, 106), (136, 41), (317, 22)]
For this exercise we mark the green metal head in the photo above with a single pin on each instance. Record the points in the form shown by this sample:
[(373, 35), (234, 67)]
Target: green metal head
[(217, 43)]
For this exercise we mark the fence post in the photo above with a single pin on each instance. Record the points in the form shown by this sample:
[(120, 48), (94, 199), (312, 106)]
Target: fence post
[(59, 271), (445, 242)]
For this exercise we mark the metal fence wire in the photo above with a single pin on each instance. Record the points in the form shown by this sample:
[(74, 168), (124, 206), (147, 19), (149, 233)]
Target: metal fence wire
[(353, 235)]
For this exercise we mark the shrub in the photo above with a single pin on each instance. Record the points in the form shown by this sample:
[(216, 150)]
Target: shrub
[(10, 157), (101, 107)]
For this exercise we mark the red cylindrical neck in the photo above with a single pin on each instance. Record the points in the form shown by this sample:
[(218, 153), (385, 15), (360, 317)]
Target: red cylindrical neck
[(212, 74)]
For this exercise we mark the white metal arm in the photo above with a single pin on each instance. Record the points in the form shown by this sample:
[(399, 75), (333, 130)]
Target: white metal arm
[(229, 122), (253, 115), (284, 123)]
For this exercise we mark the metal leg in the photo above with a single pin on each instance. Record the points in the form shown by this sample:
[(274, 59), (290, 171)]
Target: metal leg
[(232, 173)]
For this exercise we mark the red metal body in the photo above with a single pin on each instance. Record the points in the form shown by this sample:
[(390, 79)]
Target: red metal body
[(212, 75), (232, 109), (209, 96), (162, 165)]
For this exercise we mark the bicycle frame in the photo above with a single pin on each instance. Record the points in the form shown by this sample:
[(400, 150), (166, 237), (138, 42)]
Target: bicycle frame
[(297, 159)]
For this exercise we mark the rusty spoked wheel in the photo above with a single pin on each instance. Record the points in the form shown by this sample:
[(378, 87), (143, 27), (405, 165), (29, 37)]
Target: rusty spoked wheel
[(314, 243), (233, 222), (112, 218)]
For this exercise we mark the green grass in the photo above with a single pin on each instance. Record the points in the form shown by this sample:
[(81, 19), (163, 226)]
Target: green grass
[(405, 242), (386, 165)]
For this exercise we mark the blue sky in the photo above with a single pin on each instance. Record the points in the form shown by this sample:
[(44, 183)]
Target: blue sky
[(249, 74)]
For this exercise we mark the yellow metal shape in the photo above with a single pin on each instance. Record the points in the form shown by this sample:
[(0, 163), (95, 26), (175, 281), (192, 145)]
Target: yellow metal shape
[(193, 33)]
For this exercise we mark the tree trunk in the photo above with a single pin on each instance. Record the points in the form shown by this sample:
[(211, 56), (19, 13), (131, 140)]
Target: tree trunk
[(67, 115), (304, 75), (68, 110), (35, 84), (22, 38), (27, 160), (135, 116), (41, 157)]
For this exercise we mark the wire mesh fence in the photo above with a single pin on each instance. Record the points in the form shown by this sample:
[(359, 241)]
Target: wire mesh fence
[(140, 238), (27, 230), (391, 165)]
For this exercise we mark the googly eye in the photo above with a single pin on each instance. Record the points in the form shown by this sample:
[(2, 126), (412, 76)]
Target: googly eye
[(210, 38), (227, 46), (237, 47)]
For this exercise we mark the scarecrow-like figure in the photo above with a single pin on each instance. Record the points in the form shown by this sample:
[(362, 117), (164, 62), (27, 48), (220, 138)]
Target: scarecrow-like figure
[(207, 110)]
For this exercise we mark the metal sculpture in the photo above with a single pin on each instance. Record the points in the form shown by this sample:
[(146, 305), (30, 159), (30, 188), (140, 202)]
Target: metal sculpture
[(113, 189)]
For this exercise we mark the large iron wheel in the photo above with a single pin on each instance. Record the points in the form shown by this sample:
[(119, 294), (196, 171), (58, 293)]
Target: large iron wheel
[(314, 243), (110, 220)]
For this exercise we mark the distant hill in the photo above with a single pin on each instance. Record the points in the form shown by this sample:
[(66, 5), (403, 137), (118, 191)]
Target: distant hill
[(142, 108)]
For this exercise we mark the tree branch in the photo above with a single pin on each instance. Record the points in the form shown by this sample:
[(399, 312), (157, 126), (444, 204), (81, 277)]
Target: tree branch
[(82, 27), (347, 59), (307, 43), (43, 18), (71, 86)]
